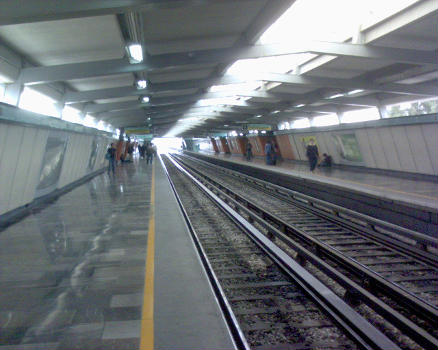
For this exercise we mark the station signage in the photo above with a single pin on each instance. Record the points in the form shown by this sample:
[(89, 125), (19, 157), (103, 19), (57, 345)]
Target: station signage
[(137, 131), (265, 127)]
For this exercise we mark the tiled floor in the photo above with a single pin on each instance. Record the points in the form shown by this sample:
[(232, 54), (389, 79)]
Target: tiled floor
[(72, 273)]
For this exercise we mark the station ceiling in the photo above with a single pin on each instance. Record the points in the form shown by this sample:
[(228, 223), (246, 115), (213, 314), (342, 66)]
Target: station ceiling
[(79, 48)]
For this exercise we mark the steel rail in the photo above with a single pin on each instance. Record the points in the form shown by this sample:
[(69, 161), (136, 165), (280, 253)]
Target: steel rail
[(359, 329), (237, 334), (372, 225), (418, 306), (401, 322)]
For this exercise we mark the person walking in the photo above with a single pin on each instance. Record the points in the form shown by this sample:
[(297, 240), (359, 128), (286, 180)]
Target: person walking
[(111, 156), (312, 154), (248, 151), (149, 153), (268, 153)]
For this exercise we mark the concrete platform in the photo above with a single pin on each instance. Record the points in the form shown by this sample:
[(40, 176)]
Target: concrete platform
[(72, 274), (385, 197)]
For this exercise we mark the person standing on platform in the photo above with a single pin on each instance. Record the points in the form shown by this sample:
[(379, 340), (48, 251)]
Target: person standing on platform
[(111, 156), (312, 154), (149, 153), (274, 152), (248, 151), (268, 152)]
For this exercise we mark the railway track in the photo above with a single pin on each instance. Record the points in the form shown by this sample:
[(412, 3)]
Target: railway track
[(271, 301), (366, 264)]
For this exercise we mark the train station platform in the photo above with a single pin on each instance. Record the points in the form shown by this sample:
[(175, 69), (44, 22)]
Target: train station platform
[(72, 273), (418, 194)]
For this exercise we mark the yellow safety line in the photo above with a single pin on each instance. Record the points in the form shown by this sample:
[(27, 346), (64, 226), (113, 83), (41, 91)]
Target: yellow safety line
[(147, 314)]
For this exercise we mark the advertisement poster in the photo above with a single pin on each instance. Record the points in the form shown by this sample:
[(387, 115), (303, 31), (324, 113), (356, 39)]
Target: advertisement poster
[(52, 162), (93, 154), (347, 147), (305, 140)]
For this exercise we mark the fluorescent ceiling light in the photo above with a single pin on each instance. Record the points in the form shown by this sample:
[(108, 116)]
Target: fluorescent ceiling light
[(335, 96), (354, 92), (300, 105), (145, 99), (142, 84), (226, 125), (135, 53), (258, 116), (263, 131), (275, 112)]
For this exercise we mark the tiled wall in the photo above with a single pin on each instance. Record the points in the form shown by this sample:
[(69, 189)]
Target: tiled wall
[(22, 150), (411, 148)]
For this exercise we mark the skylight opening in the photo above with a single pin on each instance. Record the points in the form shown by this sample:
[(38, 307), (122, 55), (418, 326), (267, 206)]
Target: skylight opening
[(89, 121), (249, 86), (219, 101), (71, 115), (37, 102), (300, 123), (325, 120), (361, 115), (275, 64), (337, 19), (2, 91)]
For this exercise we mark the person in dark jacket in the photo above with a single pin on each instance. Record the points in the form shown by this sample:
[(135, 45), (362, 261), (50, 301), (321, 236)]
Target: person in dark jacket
[(326, 161), (248, 151), (111, 156), (312, 154)]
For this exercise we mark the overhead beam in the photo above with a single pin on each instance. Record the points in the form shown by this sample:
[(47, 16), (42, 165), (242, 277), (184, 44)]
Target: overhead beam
[(40, 75), (15, 12)]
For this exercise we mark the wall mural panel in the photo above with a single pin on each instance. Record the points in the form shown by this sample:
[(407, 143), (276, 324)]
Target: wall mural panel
[(93, 154), (348, 148), (52, 162)]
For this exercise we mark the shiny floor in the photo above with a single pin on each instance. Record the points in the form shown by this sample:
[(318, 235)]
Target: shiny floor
[(72, 273), (419, 192)]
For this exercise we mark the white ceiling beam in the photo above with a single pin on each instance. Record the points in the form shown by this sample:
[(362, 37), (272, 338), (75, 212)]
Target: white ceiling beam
[(40, 75), (27, 11)]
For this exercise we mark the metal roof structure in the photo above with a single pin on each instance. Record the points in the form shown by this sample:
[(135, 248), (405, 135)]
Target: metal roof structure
[(75, 51)]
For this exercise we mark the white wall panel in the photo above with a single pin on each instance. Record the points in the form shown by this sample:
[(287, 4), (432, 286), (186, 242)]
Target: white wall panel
[(365, 148), (331, 147), (377, 149), (20, 178), (403, 149), (38, 149), (3, 133), (322, 143), (419, 149), (76, 154), (389, 149), (8, 164), (66, 165), (299, 146), (430, 133)]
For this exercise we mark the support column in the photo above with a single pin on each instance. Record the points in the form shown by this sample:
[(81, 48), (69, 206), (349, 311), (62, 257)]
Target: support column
[(382, 111)]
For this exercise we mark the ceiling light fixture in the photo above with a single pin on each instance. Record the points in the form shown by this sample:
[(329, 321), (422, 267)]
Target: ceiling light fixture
[(142, 84), (300, 105), (135, 53), (145, 99), (258, 116), (275, 112), (355, 92), (335, 96)]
